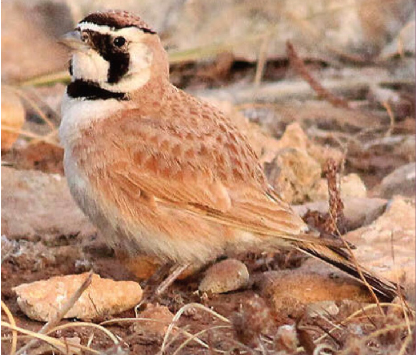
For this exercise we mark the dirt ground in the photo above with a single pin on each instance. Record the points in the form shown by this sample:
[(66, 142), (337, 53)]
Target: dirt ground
[(249, 331)]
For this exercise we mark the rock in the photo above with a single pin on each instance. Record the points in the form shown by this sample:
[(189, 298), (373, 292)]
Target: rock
[(40, 300), (290, 291), (37, 206), (400, 182), (318, 29), (38, 156), (12, 115), (358, 211), (404, 41), (225, 276), (295, 137), (351, 186), (393, 231), (155, 329), (294, 174), (37, 25)]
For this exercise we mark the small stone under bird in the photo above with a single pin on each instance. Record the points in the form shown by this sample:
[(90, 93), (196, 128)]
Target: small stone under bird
[(162, 173)]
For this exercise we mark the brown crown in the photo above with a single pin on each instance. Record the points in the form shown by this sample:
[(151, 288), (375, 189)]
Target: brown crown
[(117, 19)]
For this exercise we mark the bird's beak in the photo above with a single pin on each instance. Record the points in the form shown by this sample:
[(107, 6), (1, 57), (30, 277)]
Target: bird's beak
[(72, 40)]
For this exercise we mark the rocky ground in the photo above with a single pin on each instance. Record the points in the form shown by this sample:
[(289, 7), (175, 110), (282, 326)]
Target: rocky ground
[(348, 100)]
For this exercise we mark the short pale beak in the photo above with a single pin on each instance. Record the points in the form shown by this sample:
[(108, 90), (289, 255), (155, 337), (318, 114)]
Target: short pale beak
[(72, 40)]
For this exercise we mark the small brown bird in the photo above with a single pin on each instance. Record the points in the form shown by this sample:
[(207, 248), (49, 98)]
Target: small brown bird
[(160, 172)]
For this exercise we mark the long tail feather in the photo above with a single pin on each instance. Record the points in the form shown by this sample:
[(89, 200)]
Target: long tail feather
[(341, 259)]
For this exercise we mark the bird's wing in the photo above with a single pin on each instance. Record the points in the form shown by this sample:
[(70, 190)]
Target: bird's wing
[(208, 170)]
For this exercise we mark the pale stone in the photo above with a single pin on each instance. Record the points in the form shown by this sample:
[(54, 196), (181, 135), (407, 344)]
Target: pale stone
[(37, 205), (290, 291), (41, 300), (351, 185), (400, 182), (392, 232), (225, 276), (358, 211), (293, 173)]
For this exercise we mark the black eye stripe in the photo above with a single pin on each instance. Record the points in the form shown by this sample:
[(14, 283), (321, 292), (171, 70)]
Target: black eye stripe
[(118, 57)]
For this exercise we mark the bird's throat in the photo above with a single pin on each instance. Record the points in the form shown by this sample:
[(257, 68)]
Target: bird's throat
[(89, 90)]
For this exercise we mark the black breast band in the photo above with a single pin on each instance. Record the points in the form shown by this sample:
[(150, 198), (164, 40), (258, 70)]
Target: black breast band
[(92, 91)]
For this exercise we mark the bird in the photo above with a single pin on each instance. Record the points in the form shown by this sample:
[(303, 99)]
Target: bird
[(162, 173)]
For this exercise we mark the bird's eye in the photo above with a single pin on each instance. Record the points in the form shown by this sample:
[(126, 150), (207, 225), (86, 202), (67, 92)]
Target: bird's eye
[(84, 36), (119, 41)]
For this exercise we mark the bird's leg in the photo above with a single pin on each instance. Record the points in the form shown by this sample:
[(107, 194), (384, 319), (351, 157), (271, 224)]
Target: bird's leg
[(149, 293), (175, 273), (157, 276)]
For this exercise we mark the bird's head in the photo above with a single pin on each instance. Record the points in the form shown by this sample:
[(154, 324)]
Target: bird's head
[(115, 52)]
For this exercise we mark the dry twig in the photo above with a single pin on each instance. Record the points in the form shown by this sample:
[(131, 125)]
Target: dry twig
[(60, 314), (300, 67)]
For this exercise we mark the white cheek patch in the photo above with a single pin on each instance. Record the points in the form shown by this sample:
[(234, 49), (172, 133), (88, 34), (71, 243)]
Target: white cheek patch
[(140, 57), (90, 66)]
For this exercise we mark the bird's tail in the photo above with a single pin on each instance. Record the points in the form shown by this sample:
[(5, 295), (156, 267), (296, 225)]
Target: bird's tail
[(342, 260)]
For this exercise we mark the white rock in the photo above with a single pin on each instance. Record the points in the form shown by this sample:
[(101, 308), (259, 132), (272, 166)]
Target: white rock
[(41, 300), (400, 182), (227, 275)]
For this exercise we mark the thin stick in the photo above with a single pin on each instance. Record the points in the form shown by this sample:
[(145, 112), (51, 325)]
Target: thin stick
[(85, 324), (356, 313), (387, 106), (29, 135), (196, 335), (261, 63), (300, 67), (13, 323), (184, 332), (399, 291), (336, 211), (170, 279), (50, 340), (60, 314), (374, 335), (36, 107), (179, 314), (405, 343)]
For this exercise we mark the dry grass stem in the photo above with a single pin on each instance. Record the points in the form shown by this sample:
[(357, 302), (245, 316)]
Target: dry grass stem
[(196, 335), (262, 59), (29, 135), (60, 314), (377, 333), (184, 332), (13, 324), (179, 314), (57, 344), (35, 107), (88, 325), (387, 106)]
